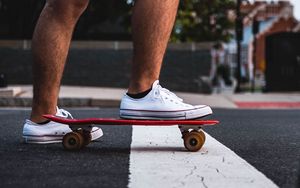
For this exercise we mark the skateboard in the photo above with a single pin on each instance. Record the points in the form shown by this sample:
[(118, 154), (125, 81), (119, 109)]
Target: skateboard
[(191, 130)]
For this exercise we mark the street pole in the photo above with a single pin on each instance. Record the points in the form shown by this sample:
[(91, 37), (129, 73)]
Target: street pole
[(254, 65), (239, 38), (255, 30)]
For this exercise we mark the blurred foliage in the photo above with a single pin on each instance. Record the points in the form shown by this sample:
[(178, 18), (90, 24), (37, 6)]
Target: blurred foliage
[(203, 20), (197, 20), (18, 18), (105, 20)]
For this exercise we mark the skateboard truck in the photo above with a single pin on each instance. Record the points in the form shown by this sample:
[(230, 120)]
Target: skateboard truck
[(78, 138)]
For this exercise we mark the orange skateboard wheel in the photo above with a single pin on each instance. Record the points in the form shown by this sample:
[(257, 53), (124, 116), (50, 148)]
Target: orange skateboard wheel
[(193, 141), (73, 141)]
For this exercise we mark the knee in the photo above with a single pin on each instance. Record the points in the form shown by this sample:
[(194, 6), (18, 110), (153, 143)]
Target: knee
[(70, 7)]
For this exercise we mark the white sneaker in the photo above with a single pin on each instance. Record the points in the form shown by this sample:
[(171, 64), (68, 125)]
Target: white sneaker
[(52, 132), (160, 103)]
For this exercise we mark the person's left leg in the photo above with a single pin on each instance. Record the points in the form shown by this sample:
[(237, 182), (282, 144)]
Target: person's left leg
[(152, 23)]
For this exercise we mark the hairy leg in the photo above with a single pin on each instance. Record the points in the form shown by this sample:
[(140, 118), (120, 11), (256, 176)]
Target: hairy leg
[(50, 44), (152, 23)]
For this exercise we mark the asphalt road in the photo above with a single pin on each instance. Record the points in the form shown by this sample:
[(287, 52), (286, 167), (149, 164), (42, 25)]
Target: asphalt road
[(267, 139)]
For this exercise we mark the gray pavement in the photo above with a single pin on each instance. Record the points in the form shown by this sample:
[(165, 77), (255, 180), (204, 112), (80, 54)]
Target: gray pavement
[(71, 96), (103, 164), (267, 139)]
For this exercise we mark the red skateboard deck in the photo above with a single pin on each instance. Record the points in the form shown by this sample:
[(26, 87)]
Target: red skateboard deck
[(111, 121), (80, 136)]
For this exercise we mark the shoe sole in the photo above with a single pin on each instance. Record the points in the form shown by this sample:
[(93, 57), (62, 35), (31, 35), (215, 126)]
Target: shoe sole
[(50, 139), (166, 115)]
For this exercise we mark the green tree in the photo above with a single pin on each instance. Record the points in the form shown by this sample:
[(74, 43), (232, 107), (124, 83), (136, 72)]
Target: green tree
[(197, 20), (203, 20)]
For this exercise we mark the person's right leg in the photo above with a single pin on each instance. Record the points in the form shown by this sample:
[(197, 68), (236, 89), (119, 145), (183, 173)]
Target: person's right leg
[(50, 45)]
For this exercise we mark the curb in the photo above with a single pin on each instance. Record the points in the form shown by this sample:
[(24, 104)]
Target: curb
[(63, 102)]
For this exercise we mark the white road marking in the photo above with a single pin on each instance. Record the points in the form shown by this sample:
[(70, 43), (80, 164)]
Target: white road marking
[(159, 159)]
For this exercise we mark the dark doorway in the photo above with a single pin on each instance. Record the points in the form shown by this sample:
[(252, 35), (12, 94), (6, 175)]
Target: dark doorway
[(283, 62)]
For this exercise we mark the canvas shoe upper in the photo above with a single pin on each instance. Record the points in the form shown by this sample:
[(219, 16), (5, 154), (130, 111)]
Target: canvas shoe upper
[(160, 103), (52, 132)]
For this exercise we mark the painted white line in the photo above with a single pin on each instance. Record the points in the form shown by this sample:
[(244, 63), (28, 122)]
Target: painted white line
[(159, 159)]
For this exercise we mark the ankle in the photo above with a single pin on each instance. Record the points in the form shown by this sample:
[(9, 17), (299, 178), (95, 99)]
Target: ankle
[(38, 119), (37, 114), (140, 87), (139, 95)]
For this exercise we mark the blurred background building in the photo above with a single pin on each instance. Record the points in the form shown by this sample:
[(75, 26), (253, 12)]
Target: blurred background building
[(260, 19)]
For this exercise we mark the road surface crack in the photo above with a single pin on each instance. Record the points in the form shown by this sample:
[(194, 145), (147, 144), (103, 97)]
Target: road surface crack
[(203, 183), (191, 172), (217, 170)]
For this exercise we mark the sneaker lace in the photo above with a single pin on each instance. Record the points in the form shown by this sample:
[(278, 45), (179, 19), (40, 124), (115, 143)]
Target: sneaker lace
[(64, 113), (169, 93)]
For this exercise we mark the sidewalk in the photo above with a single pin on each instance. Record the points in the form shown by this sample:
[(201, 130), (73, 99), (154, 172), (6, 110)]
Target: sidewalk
[(73, 96)]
